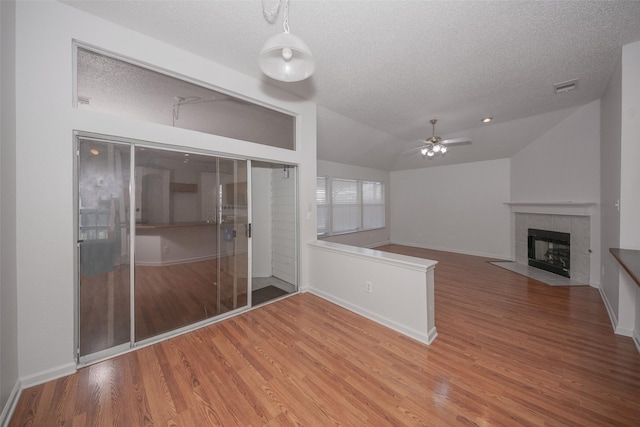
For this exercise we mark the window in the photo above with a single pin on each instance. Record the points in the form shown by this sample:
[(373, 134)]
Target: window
[(109, 85), (349, 205), (345, 205), (372, 205), (322, 201)]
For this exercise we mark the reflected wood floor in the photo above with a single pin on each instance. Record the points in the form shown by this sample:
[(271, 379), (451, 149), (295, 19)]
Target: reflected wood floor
[(166, 297), (510, 351)]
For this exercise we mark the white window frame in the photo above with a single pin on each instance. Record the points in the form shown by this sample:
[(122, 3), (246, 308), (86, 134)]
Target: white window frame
[(324, 209)]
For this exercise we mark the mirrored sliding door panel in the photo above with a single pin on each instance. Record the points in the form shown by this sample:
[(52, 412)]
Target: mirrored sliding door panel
[(190, 218), (183, 215), (103, 245)]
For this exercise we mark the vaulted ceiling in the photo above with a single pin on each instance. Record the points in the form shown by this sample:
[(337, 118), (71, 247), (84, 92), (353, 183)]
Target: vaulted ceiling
[(385, 68)]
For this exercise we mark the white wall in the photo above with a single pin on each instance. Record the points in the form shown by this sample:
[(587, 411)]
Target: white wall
[(610, 122), (44, 161), (370, 238), (456, 208), (563, 165), (9, 369), (401, 292), (630, 180), (620, 177)]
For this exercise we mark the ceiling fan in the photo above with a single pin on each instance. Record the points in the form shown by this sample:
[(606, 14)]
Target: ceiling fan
[(435, 145)]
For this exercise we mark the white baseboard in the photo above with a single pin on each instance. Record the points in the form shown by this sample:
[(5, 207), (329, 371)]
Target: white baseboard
[(455, 251), (48, 375), (10, 406), (623, 331), (426, 338), (303, 287), (375, 245), (612, 316)]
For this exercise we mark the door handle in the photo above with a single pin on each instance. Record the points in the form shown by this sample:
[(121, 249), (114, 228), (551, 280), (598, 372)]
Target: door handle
[(248, 230)]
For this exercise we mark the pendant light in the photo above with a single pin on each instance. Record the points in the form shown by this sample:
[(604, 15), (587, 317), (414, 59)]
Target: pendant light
[(285, 57)]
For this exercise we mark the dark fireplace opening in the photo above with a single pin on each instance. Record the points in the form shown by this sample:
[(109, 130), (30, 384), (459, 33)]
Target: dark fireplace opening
[(550, 250)]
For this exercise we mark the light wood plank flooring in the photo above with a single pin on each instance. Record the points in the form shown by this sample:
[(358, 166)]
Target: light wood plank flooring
[(510, 351)]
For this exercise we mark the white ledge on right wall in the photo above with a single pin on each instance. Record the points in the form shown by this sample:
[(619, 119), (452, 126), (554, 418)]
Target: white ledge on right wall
[(552, 208)]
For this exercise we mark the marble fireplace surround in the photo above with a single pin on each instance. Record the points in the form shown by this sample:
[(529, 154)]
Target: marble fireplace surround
[(569, 217)]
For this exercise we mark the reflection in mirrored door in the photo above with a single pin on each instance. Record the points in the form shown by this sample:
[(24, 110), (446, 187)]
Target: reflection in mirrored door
[(103, 245), (190, 244), (185, 217)]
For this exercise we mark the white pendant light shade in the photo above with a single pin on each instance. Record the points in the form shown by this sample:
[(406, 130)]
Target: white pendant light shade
[(287, 58)]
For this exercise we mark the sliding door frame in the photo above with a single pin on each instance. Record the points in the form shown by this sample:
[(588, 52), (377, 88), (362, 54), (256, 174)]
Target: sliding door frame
[(133, 344)]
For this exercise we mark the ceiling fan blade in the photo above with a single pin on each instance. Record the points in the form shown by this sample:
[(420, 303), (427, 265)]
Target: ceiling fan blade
[(412, 150), (456, 141)]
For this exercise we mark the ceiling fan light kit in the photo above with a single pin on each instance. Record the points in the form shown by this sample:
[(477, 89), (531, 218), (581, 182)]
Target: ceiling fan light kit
[(435, 145)]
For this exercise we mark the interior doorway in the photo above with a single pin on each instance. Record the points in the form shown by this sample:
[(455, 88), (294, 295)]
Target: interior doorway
[(275, 231)]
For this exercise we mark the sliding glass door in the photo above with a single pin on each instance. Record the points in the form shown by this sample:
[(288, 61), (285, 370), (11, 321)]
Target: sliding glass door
[(188, 234), (190, 240), (103, 245)]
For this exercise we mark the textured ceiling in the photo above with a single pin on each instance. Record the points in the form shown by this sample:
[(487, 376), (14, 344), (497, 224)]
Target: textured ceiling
[(385, 68)]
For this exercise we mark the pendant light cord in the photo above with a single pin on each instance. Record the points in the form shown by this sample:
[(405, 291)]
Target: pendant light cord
[(271, 13), (285, 24)]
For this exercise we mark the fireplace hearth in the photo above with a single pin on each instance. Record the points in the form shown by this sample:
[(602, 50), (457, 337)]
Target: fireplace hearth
[(550, 251)]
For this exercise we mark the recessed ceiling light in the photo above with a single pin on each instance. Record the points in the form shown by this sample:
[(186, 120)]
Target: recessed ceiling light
[(94, 151), (487, 119)]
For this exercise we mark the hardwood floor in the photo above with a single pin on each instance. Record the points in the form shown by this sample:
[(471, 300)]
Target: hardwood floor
[(510, 351)]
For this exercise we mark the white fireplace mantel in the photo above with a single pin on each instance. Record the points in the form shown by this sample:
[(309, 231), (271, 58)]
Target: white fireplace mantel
[(552, 208)]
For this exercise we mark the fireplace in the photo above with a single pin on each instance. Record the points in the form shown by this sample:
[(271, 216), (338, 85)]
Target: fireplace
[(577, 225), (550, 250)]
